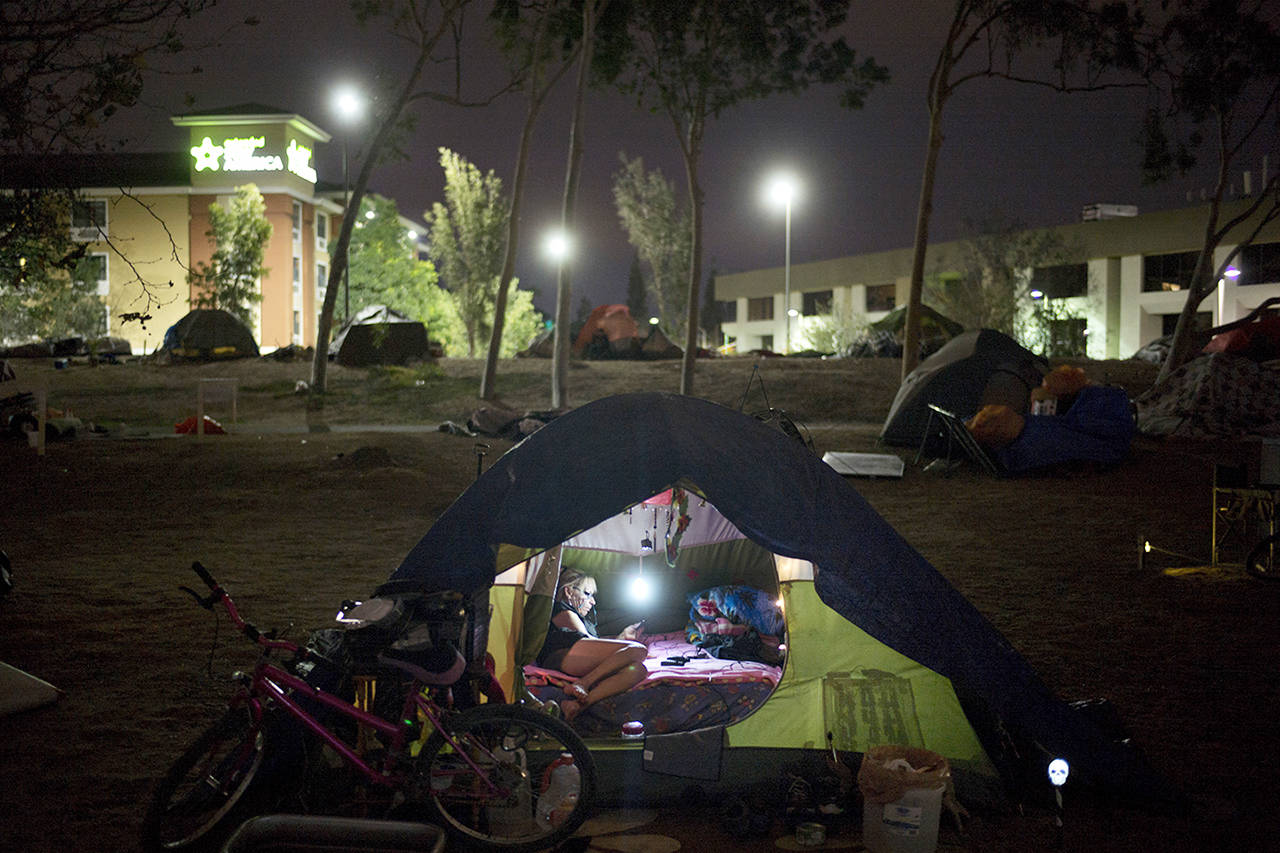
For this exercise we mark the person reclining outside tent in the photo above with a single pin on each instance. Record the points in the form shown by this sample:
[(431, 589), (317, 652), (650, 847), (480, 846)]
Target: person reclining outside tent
[(602, 667)]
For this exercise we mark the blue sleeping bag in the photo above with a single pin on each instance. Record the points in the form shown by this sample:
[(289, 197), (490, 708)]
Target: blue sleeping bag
[(1098, 427)]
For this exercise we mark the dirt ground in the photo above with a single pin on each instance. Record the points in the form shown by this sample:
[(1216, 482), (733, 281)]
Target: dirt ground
[(101, 531)]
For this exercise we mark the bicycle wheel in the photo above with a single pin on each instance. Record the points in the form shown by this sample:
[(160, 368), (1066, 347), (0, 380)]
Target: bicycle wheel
[(1261, 562), (537, 785), (194, 806)]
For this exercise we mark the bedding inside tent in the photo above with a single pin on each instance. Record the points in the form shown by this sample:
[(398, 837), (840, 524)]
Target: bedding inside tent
[(700, 672)]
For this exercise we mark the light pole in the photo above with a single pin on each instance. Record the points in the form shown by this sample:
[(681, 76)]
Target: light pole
[(349, 105), (782, 190)]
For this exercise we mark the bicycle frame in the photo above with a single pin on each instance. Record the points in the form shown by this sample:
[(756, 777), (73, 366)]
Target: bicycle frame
[(273, 682)]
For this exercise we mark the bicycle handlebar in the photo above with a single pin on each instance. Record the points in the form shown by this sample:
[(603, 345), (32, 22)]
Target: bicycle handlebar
[(218, 594)]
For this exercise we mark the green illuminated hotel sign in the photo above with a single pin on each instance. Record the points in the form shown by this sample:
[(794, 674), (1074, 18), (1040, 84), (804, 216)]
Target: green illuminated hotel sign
[(246, 154)]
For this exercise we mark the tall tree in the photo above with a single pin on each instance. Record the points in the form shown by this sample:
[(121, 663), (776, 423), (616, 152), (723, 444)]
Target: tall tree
[(992, 285), (691, 61), (432, 28), (656, 220), (239, 232), (637, 301), (983, 40), (386, 270), (57, 305), (1215, 75), (65, 69), (531, 35), (468, 235)]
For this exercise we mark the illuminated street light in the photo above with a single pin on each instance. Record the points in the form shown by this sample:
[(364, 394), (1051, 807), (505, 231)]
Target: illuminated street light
[(781, 190), (557, 246), (349, 105)]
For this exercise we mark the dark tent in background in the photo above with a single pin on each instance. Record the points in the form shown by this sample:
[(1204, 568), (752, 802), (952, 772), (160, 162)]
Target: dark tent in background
[(542, 346), (209, 333), (974, 369), (659, 346), (379, 335), (884, 338)]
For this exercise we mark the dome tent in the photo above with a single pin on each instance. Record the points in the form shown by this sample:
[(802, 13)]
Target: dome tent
[(853, 589), (207, 333), (379, 335)]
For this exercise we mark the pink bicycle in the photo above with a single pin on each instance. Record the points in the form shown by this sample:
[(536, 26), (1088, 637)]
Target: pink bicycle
[(369, 721)]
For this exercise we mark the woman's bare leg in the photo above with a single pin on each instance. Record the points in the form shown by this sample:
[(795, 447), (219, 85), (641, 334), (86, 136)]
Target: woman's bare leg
[(604, 667)]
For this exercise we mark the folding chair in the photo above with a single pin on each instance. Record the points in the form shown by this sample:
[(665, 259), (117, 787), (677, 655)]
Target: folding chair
[(952, 428)]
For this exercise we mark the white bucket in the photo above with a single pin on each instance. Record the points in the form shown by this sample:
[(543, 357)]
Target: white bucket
[(907, 825)]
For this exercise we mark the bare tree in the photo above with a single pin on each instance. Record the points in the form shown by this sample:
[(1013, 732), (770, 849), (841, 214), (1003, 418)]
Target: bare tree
[(1215, 73), (983, 40), (695, 59)]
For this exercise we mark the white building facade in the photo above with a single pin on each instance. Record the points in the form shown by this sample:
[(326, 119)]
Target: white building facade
[(1120, 285)]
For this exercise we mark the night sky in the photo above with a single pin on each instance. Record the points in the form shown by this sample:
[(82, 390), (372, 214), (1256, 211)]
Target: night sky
[(1028, 153)]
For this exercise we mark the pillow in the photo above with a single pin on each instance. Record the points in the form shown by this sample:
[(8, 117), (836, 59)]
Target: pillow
[(733, 609)]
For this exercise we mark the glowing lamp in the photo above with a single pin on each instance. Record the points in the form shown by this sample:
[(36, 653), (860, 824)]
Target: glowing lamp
[(1232, 272), (557, 245), (653, 321), (1036, 294), (640, 588)]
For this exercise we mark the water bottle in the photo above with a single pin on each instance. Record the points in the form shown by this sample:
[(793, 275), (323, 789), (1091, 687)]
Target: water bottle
[(561, 784)]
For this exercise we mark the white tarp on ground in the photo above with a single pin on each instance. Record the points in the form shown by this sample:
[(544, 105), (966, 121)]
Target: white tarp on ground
[(20, 691), (1215, 395)]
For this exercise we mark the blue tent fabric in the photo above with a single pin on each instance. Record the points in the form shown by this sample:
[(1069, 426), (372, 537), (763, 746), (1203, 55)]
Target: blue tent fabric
[(1098, 427), (599, 459)]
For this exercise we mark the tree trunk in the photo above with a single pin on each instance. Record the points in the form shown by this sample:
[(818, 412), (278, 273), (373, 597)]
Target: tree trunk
[(338, 263), (564, 280), (695, 262)]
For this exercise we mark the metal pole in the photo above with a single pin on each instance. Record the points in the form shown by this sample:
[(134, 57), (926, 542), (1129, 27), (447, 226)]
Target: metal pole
[(346, 261), (786, 283)]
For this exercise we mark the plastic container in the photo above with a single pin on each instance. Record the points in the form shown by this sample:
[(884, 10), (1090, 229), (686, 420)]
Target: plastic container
[(902, 789), (561, 785), (517, 818)]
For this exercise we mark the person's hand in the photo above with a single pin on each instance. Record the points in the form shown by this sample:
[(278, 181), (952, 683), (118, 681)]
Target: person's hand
[(634, 631)]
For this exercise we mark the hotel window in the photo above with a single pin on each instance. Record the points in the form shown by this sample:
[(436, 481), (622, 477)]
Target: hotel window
[(760, 308), (322, 281), (1168, 272), (1169, 322), (816, 303), (88, 220), (94, 270), (728, 309), (297, 275), (297, 220), (322, 231), (1259, 264), (1061, 281), (766, 342), (297, 326), (881, 297)]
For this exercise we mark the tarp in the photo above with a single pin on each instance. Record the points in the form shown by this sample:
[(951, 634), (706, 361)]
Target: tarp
[(659, 346), (611, 325), (976, 368), (379, 335), (1098, 427), (594, 462), (209, 333)]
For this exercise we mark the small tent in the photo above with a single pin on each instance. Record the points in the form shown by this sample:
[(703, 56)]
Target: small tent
[(379, 335), (610, 332), (935, 329), (207, 333), (874, 635), (975, 368), (658, 346)]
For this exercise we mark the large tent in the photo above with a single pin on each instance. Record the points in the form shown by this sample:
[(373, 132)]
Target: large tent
[(206, 333), (975, 368), (377, 334), (859, 600), (609, 332)]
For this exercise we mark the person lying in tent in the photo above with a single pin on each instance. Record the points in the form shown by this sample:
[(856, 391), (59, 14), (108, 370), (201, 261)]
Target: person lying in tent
[(601, 667)]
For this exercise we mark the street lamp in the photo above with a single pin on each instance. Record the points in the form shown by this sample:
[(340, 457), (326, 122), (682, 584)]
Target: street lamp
[(781, 190), (349, 105), (557, 246)]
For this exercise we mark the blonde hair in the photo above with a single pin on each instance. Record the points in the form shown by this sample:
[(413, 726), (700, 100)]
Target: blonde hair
[(571, 579)]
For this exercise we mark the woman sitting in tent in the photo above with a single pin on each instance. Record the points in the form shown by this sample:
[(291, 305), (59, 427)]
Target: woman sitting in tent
[(601, 667)]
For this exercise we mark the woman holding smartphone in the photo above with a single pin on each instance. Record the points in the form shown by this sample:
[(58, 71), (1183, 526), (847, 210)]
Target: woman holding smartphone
[(601, 667)]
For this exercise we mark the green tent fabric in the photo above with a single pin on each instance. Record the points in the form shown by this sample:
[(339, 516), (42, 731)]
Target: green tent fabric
[(593, 463)]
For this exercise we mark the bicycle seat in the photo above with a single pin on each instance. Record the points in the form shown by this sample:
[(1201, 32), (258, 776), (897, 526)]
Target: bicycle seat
[(416, 654)]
